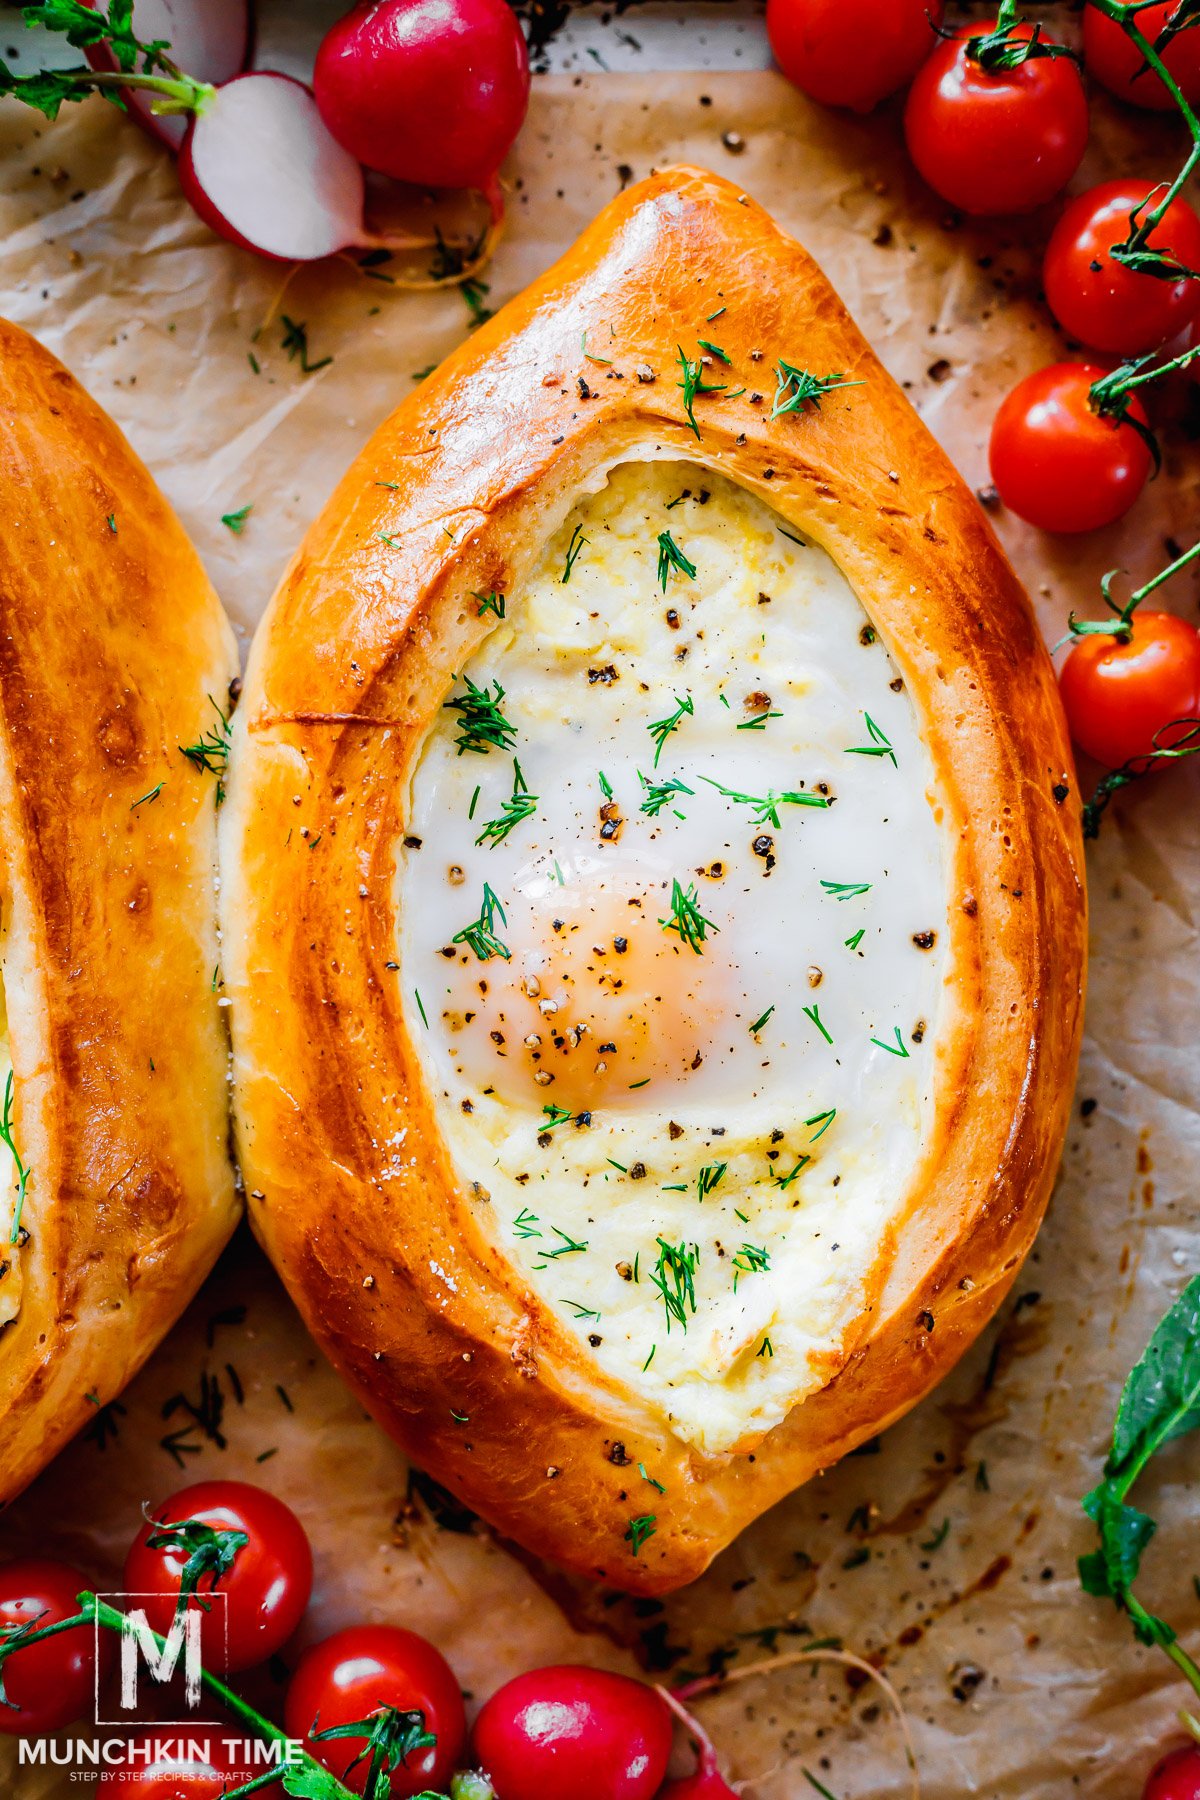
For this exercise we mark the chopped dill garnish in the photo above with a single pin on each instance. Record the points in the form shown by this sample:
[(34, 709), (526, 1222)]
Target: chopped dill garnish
[(846, 890), (650, 1358), (480, 935), (766, 1348), (210, 752), (716, 315), (855, 938), (751, 1259), (639, 1530), (642, 1471), (674, 1275), (489, 603), (582, 1312), (555, 1116), (295, 342), (420, 1007), (670, 556), (785, 1181), (473, 292), (236, 521), (766, 807), (10, 1142), (693, 383), (814, 1013), (797, 388), (762, 1019), (525, 1224), (879, 745), (899, 1048), (715, 349), (687, 919), (709, 1177), (758, 722), (661, 729), (605, 785), (144, 799), (660, 794), (573, 551), (824, 1120), (482, 726), (568, 1247), (520, 805)]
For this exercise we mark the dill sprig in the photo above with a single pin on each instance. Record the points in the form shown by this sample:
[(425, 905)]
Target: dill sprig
[(670, 556), (520, 805), (10, 1142), (899, 1048), (526, 1224), (661, 729), (693, 383), (751, 1259), (573, 552), (709, 1177), (480, 935), (489, 603), (879, 745), (846, 890), (766, 806), (797, 388), (568, 1247), (555, 1116), (295, 342), (660, 794), (210, 752), (824, 1120), (674, 1275), (482, 727), (687, 919), (639, 1530), (785, 1181)]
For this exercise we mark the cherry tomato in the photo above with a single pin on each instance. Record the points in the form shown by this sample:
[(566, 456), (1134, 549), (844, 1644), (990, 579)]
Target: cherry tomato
[(1119, 66), (350, 1675), (52, 1684), (267, 1585), (1055, 462), (1118, 696), (166, 1765), (565, 1731), (852, 52), (1101, 302), (1001, 142), (1176, 1777)]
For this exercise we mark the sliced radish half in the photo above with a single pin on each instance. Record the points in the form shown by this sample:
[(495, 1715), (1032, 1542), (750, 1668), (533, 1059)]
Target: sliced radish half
[(261, 167), (209, 39)]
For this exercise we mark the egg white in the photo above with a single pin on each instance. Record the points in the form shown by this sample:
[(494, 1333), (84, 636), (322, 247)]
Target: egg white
[(696, 1088)]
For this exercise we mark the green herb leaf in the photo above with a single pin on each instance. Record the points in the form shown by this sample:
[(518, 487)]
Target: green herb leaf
[(482, 726), (670, 556), (480, 935), (797, 389), (687, 919), (236, 521)]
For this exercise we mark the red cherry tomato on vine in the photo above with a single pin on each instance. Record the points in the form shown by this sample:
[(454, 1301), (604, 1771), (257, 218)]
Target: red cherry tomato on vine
[(852, 52), (1118, 696), (1101, 302), (267, 1586), (52, 1684), (1059, 465), (1176, 1777), (995, 142), (350, 1675), (167, 1765), (1121, 68), (565, 1731)]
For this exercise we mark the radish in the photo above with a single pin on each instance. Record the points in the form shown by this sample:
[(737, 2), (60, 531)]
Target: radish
[(706, 1781), (565, 1732), (260, 168), (208, 38), (427, 91)]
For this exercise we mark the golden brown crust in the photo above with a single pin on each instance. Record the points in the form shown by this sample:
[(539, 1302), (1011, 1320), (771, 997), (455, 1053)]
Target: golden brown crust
[(111, 639), (456, 492)]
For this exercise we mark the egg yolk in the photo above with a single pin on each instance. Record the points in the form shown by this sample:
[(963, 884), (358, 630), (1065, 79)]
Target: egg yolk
[(599, 997)]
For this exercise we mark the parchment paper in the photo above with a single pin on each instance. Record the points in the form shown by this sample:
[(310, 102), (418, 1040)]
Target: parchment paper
[(1017, 1685)]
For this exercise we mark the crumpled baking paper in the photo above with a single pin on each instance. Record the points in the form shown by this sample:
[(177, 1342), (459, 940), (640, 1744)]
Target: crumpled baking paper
[(950, 1551)]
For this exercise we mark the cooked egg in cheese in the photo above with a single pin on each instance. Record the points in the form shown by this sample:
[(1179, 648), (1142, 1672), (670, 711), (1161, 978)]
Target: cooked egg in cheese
[(673, 938)]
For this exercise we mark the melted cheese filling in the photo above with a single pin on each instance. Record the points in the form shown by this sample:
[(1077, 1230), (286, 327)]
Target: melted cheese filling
[(673, 923)]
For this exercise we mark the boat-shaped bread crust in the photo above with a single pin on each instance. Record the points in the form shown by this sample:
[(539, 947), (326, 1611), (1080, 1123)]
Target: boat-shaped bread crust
[(388, 1254), (114, 657)]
